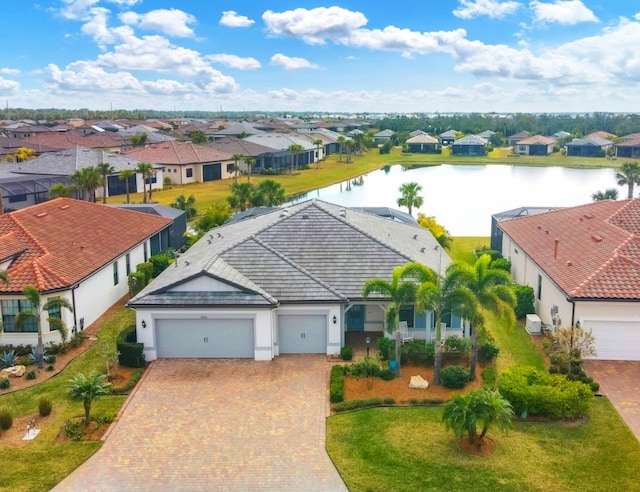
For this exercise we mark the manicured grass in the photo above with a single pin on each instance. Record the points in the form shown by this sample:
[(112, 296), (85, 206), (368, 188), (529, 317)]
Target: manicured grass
[(408, 449), (41, 464), (516, 347), (462, 248)]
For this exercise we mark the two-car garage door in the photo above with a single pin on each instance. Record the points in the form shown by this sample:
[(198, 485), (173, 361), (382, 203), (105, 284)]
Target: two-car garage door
[(205, 338), (615, 340)]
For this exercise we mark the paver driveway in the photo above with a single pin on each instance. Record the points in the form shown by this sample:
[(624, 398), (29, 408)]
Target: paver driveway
[(219, 425), (620, 383)]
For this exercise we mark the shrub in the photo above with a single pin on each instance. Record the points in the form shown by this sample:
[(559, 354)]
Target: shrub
[(8, 359), (385, 347), (147, 270), (417, 352), (130, 352), (31, 375), (356, 404), (387, 375), (454, 377), (105, 418), (4, 383), (485, 250), (77, 340), (50, 368), (389, 401), (346, 353), (501, 264), (6, 419), (50, 359), (489, 377), (525, 298), (487, 350), (136, 282), (539, 393), (367, 366), (44, 407), (35, 355), (336, 384), (72, 430), (457, 345), (160, 263)]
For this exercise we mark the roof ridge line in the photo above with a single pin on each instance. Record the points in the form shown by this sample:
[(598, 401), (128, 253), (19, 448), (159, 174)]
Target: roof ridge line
[(27, 233)]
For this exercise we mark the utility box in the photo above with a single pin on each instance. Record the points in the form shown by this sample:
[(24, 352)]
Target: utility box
[(533, 324)]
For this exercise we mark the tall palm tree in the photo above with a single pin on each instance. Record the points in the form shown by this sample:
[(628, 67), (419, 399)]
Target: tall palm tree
[(492, 288), (105, 170), (214, 215), (341, 140), (318, 143), (272, 193), (146, 169), (629, 175), (33, 296), (60, 189), (249, 161), (410, 196), (236, 158), (125, 175), (186, 204), (349, 146), (242, 195), (86, 389), (295, 150), (86, 181)]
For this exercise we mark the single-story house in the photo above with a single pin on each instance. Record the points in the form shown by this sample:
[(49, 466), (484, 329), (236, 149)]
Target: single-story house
[(279, 144), (516, 137), (448, 137), (423, 143), (286, 281), (185, 162), (536, 145), (588, 147), (496, 232), (469, 145), (20, 191), (383, 136), (629, 148), (487, 134), (74, 249), (584, 266)]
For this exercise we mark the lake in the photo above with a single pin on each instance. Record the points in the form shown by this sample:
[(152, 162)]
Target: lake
[(463, 197)]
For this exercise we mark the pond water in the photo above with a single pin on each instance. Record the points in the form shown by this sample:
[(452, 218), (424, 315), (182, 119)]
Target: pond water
[(463, 197)]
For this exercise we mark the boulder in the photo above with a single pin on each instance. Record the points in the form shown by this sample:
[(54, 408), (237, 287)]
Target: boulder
[(15, 371), (418, 382)]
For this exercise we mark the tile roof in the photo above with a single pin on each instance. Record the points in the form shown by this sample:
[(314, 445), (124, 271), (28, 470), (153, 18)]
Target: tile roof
[(310, 252), (174, 152), (56, 244), (280, 141), (423, 138), (591, 251), (233, 145), (538, 140), (590, 141), (471, 140), (72, 138)]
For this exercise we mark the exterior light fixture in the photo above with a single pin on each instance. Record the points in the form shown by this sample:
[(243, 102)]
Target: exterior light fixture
[(144, 324), (335, 320)]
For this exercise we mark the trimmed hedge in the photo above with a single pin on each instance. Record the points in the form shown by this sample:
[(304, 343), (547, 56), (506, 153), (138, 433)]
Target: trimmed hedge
[(130, 353), (417, 352), (525, 298), (454, 377), (542, 394), (136, 281), (487, 350), (147, 270), (336, 384)]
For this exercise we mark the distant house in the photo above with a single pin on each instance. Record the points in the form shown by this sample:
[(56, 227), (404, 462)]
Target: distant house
[(536, 145), (588, 147), (383, 136), (516, 137), (423, 144), (629, 148), (185, 162), (266, 158), (486, 134), (68, 248), (21, 191), (561, 134), (603, 134), (281, 142), (469, 145), (239, 130), (448, 137), (415, 133), (63, 140)]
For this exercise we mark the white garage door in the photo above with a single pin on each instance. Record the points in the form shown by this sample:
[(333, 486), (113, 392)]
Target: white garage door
[(615, 340), (302, 334), (205, 338)]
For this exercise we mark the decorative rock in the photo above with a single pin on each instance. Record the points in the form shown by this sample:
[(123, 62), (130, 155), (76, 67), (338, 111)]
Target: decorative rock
[(15, 371), (418, 382)]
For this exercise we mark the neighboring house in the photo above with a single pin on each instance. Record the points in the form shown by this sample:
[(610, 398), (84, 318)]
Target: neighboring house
[(383, 136), (423, 144), (107, 141), (280, 142), (469, 145), (185, 162), (487, 134), (73, 249), (584, 266), (20, 191), (603, 134), (287, 281), (588, 147), (629, 148), (10, 146), (516, 137), (415, 133), (66, 162), (266, 158), (536, 145), (561, 134), (496, 232), (239, 130), (26, 131), (448, 137), (153, 135)]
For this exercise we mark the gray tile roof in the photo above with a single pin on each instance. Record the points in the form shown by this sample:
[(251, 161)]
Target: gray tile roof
[(309, 252)]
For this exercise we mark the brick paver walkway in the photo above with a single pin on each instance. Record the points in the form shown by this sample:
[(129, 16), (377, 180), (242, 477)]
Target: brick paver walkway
[(620, 383), (219, 425)]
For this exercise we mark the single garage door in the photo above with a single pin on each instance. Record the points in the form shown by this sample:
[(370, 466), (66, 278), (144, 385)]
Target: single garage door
[(615, 340), (211, 172), (302, 333), (205, 338)]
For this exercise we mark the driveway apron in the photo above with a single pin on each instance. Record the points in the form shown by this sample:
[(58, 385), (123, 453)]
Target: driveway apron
[(620, 383), (199, 424)]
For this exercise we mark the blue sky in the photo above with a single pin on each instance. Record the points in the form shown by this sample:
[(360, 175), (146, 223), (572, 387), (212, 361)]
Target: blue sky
[(349, 56)]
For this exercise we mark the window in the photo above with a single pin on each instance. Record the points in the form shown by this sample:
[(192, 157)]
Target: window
[(146, 255), (18, 198), (539, 287), (189, 172), (54, 313), (10, 309), (152, 179), (406, 314), (229, 168), (127, 262), (115, 274)]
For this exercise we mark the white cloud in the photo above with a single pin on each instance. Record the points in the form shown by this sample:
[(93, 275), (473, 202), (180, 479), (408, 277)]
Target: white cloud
[(235, 61), (172, 22), (9, 71), (405, 41), (314, 26), (96, 27), (468, 9), (291, 62), (76, 9), (284, 94), (167, 87), (566, 12), (230, 18), (8, 86), (86, 76)]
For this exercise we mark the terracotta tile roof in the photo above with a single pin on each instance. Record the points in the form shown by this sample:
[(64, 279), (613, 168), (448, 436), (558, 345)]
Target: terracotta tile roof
[(58, 243), (178, 153), (537, 139), (591, 251), (70, 139)]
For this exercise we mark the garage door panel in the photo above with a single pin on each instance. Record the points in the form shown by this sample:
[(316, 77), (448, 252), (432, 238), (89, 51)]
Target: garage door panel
[(222, 338), (615, 340), (302, 334)]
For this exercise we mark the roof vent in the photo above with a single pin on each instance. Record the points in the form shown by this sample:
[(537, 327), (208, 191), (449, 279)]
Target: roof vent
[(415, 236), (219, 235), (589, 216), (41, 214), (284, 214), (423, 249), (596, 237), (208, 241), (65, 207), (569, 263), (343, 212), (186, 262)]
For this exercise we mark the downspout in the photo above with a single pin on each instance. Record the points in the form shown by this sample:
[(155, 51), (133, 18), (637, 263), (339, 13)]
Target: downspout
[(73, 304), (573, 311)]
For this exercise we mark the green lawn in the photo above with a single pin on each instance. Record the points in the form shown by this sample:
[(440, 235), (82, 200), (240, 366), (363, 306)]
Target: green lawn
[(462, 248), (41, 464), (408, 449)]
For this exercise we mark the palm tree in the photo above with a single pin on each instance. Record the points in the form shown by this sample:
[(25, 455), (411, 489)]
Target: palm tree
[(105, 170), (492, 288), (249, 161), (186, 204), (629, 175), (213, 216), (33, 297), (400, 291), (146, 169), (86, 389), (86, 181), (608, 194), (341, 141), (242, 195), (410, 196), (138, 139), (59, 189), (349, 146), (236, 158), (125, 175), (295, 149), (272, 193), (318, 143)]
